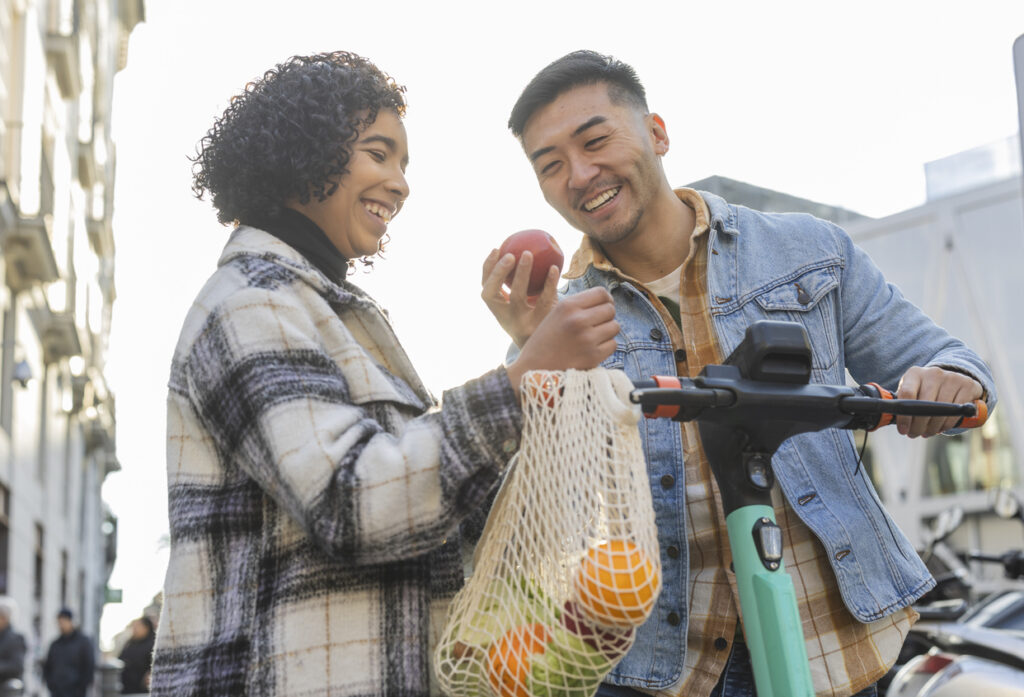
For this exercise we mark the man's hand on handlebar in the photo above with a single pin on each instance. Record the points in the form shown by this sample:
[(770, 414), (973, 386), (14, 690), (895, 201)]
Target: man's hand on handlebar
[(937, 385)]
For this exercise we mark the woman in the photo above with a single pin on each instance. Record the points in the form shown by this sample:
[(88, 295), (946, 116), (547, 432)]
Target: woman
[(316, 488)]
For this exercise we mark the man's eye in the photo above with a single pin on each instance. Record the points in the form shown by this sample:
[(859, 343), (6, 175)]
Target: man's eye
[(378, 155), (596, 141), (549, 167)]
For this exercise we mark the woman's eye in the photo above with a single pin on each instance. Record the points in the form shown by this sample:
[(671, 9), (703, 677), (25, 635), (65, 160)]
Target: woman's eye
[(377, 155)]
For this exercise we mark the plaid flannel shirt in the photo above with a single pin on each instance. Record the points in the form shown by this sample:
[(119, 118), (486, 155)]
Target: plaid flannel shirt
[(315, 488)]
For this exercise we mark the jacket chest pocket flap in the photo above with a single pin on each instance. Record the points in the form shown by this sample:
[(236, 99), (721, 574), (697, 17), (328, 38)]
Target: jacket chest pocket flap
[(809, 300), (369, 382)]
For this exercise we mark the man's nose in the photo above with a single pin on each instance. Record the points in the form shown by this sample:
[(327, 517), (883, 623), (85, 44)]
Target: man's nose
[(581, 172)]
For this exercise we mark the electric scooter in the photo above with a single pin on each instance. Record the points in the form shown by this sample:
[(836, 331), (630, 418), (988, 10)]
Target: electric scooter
[(746, 409)]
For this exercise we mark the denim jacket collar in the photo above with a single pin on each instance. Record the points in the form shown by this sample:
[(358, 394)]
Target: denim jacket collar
[(722, 214)]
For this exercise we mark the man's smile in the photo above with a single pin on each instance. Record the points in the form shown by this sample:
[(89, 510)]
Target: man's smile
[(599, 200)]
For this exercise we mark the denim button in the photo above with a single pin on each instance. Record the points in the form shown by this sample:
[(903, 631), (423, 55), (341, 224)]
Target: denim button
[(721, 643), (672, 551), (801, 295), (668, 481), (674, 619), (656, 334)]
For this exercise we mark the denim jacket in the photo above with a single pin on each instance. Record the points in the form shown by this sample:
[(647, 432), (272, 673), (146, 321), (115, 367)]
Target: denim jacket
[(855, 321)]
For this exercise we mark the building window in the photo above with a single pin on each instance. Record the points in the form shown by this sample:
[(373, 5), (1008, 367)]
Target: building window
[(7, 363), (83, 605), (37, 584), (976, 460), (5, 530), (37, 579), (64, 578)]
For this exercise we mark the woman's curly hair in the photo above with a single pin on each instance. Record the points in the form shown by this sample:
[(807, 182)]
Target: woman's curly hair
[(288, 136)]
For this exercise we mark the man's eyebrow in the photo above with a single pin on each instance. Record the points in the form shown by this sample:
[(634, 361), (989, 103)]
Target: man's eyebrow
[(542, 151), (589, 123)]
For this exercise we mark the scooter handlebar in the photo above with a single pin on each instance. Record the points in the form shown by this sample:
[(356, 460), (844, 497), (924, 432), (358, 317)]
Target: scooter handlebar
[(1012, 561), (868, 406)]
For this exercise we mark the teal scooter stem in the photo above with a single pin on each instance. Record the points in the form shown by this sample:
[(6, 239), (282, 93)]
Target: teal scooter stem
[(771, 623)]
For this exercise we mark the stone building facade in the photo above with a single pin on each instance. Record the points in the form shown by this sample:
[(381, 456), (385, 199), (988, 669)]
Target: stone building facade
[(58, 59)]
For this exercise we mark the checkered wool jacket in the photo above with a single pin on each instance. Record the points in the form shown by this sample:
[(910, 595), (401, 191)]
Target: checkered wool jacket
[(315, 488)]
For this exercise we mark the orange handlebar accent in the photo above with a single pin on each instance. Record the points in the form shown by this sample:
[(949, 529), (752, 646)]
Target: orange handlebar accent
[(665, 411), (883, 419), (978, 419)]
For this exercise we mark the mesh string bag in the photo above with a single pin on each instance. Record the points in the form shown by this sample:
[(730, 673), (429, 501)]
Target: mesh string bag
[(568, 563)]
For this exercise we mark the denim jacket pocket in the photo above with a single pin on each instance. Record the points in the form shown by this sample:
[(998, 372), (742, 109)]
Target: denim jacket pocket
[(808, 298)]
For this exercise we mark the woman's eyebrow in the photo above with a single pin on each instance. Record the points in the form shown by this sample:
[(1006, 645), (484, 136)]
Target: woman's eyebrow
[(389, 142)]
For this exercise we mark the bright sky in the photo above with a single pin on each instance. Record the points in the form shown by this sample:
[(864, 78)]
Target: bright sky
[(841, 103)]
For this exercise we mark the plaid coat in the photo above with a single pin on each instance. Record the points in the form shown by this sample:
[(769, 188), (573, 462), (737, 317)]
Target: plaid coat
[(315, 488)]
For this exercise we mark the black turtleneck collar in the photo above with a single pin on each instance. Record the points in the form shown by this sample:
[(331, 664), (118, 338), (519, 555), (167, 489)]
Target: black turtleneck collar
[(304, 236)]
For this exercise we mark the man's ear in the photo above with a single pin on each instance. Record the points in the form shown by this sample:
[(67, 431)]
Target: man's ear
[(660, 134)]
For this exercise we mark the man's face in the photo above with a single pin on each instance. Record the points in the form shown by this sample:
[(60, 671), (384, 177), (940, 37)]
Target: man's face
[(596, 161), (65, 624)]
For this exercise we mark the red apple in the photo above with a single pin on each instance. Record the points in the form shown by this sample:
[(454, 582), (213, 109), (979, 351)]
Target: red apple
[(611, 642), (546, 253)]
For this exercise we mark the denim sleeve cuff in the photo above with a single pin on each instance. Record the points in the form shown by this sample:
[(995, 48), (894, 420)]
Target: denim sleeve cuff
[(964, 371)]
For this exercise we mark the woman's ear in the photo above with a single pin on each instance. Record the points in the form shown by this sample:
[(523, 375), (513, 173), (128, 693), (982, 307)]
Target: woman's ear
[(660, 134)]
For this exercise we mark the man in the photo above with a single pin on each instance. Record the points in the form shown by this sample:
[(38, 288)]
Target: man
[(688, 273), (70, 661), (137, 657), (12, 644)]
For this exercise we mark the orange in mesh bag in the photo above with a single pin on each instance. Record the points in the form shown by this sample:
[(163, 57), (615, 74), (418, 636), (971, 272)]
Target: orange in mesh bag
[(568, 563)]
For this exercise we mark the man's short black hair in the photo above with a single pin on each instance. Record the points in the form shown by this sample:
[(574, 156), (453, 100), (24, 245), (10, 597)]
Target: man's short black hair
[(577, 69), (66, 612)]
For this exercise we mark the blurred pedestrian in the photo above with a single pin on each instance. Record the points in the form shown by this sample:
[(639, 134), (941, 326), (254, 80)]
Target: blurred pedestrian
[(71, 660), (12, 644), (137, 656)]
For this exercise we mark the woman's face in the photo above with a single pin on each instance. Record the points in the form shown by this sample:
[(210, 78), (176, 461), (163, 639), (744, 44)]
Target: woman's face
[(356, 216)]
